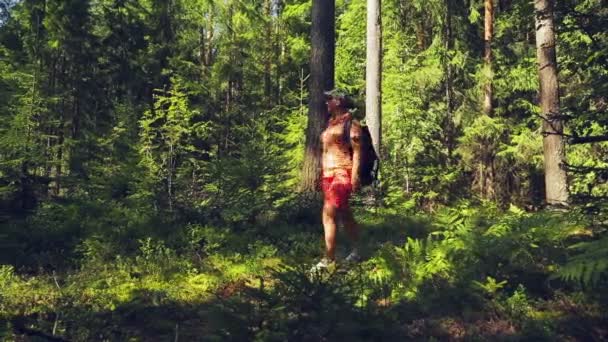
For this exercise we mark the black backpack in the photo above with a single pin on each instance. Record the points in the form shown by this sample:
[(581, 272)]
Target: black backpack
[(368, 169)]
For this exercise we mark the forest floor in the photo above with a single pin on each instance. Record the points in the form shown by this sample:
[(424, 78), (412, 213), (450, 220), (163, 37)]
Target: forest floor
[(463, 274)]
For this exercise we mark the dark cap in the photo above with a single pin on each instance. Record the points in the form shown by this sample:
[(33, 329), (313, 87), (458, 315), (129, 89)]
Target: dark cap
[(335, 93), (346, 100)]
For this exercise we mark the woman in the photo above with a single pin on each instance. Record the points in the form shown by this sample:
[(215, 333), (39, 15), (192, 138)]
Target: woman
[(340, 162)]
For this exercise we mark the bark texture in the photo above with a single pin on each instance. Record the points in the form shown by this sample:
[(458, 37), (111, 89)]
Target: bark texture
[(321, 79), (373, 73), (556, 184)]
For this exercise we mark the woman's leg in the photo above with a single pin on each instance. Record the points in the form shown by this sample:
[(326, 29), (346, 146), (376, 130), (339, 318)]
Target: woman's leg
[(329, 227), (351, 226)]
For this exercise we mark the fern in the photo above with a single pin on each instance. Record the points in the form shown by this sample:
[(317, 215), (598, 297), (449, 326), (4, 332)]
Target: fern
[(589, 267)]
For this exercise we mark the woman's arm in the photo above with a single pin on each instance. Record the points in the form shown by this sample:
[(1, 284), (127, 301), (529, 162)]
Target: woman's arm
[(355, 138)]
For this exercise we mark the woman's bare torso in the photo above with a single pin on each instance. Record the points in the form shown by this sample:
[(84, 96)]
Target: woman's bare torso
[(336, 155)]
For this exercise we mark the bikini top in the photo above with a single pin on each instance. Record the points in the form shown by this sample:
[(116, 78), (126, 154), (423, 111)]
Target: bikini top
[(334, 133)]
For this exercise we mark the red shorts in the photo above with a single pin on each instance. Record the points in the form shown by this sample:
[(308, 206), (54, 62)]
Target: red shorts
[(337, 188)]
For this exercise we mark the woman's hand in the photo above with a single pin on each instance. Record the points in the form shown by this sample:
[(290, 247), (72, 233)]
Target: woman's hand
[(355, 183)]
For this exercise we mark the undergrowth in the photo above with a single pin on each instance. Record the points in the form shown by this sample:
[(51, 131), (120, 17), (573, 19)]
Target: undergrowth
[(463, 273)]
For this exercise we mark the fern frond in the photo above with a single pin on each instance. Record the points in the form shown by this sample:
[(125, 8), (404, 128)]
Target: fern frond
[(590, 266)]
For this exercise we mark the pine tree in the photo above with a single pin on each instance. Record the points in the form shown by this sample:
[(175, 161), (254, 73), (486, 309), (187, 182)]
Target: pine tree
[(321, 79), (556, 185)]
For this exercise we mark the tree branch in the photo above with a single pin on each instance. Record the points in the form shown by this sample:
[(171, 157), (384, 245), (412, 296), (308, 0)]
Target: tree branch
[(601, 171), (574, 140)]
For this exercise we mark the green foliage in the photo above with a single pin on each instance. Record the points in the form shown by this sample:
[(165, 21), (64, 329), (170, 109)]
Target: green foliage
[(150, 152), (501, 248), (243, 285), (518, 304), (490, 287), (300, 306), (350, 48), (589, 182), (484, 134), (168, 133), (589, 264)]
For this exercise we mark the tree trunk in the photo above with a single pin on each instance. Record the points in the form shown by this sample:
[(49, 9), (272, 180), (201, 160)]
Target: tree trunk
[(487, 55), (373, 73), (321, 78), (448, 126), (279, 53), (268, 53), (556, 192), (420, 34), (487, 176), (203, 52)]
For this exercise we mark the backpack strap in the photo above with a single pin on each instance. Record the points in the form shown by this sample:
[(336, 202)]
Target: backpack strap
[(346, 133)]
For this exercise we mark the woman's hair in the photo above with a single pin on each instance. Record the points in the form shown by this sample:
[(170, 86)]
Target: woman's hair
[(346, 102)]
